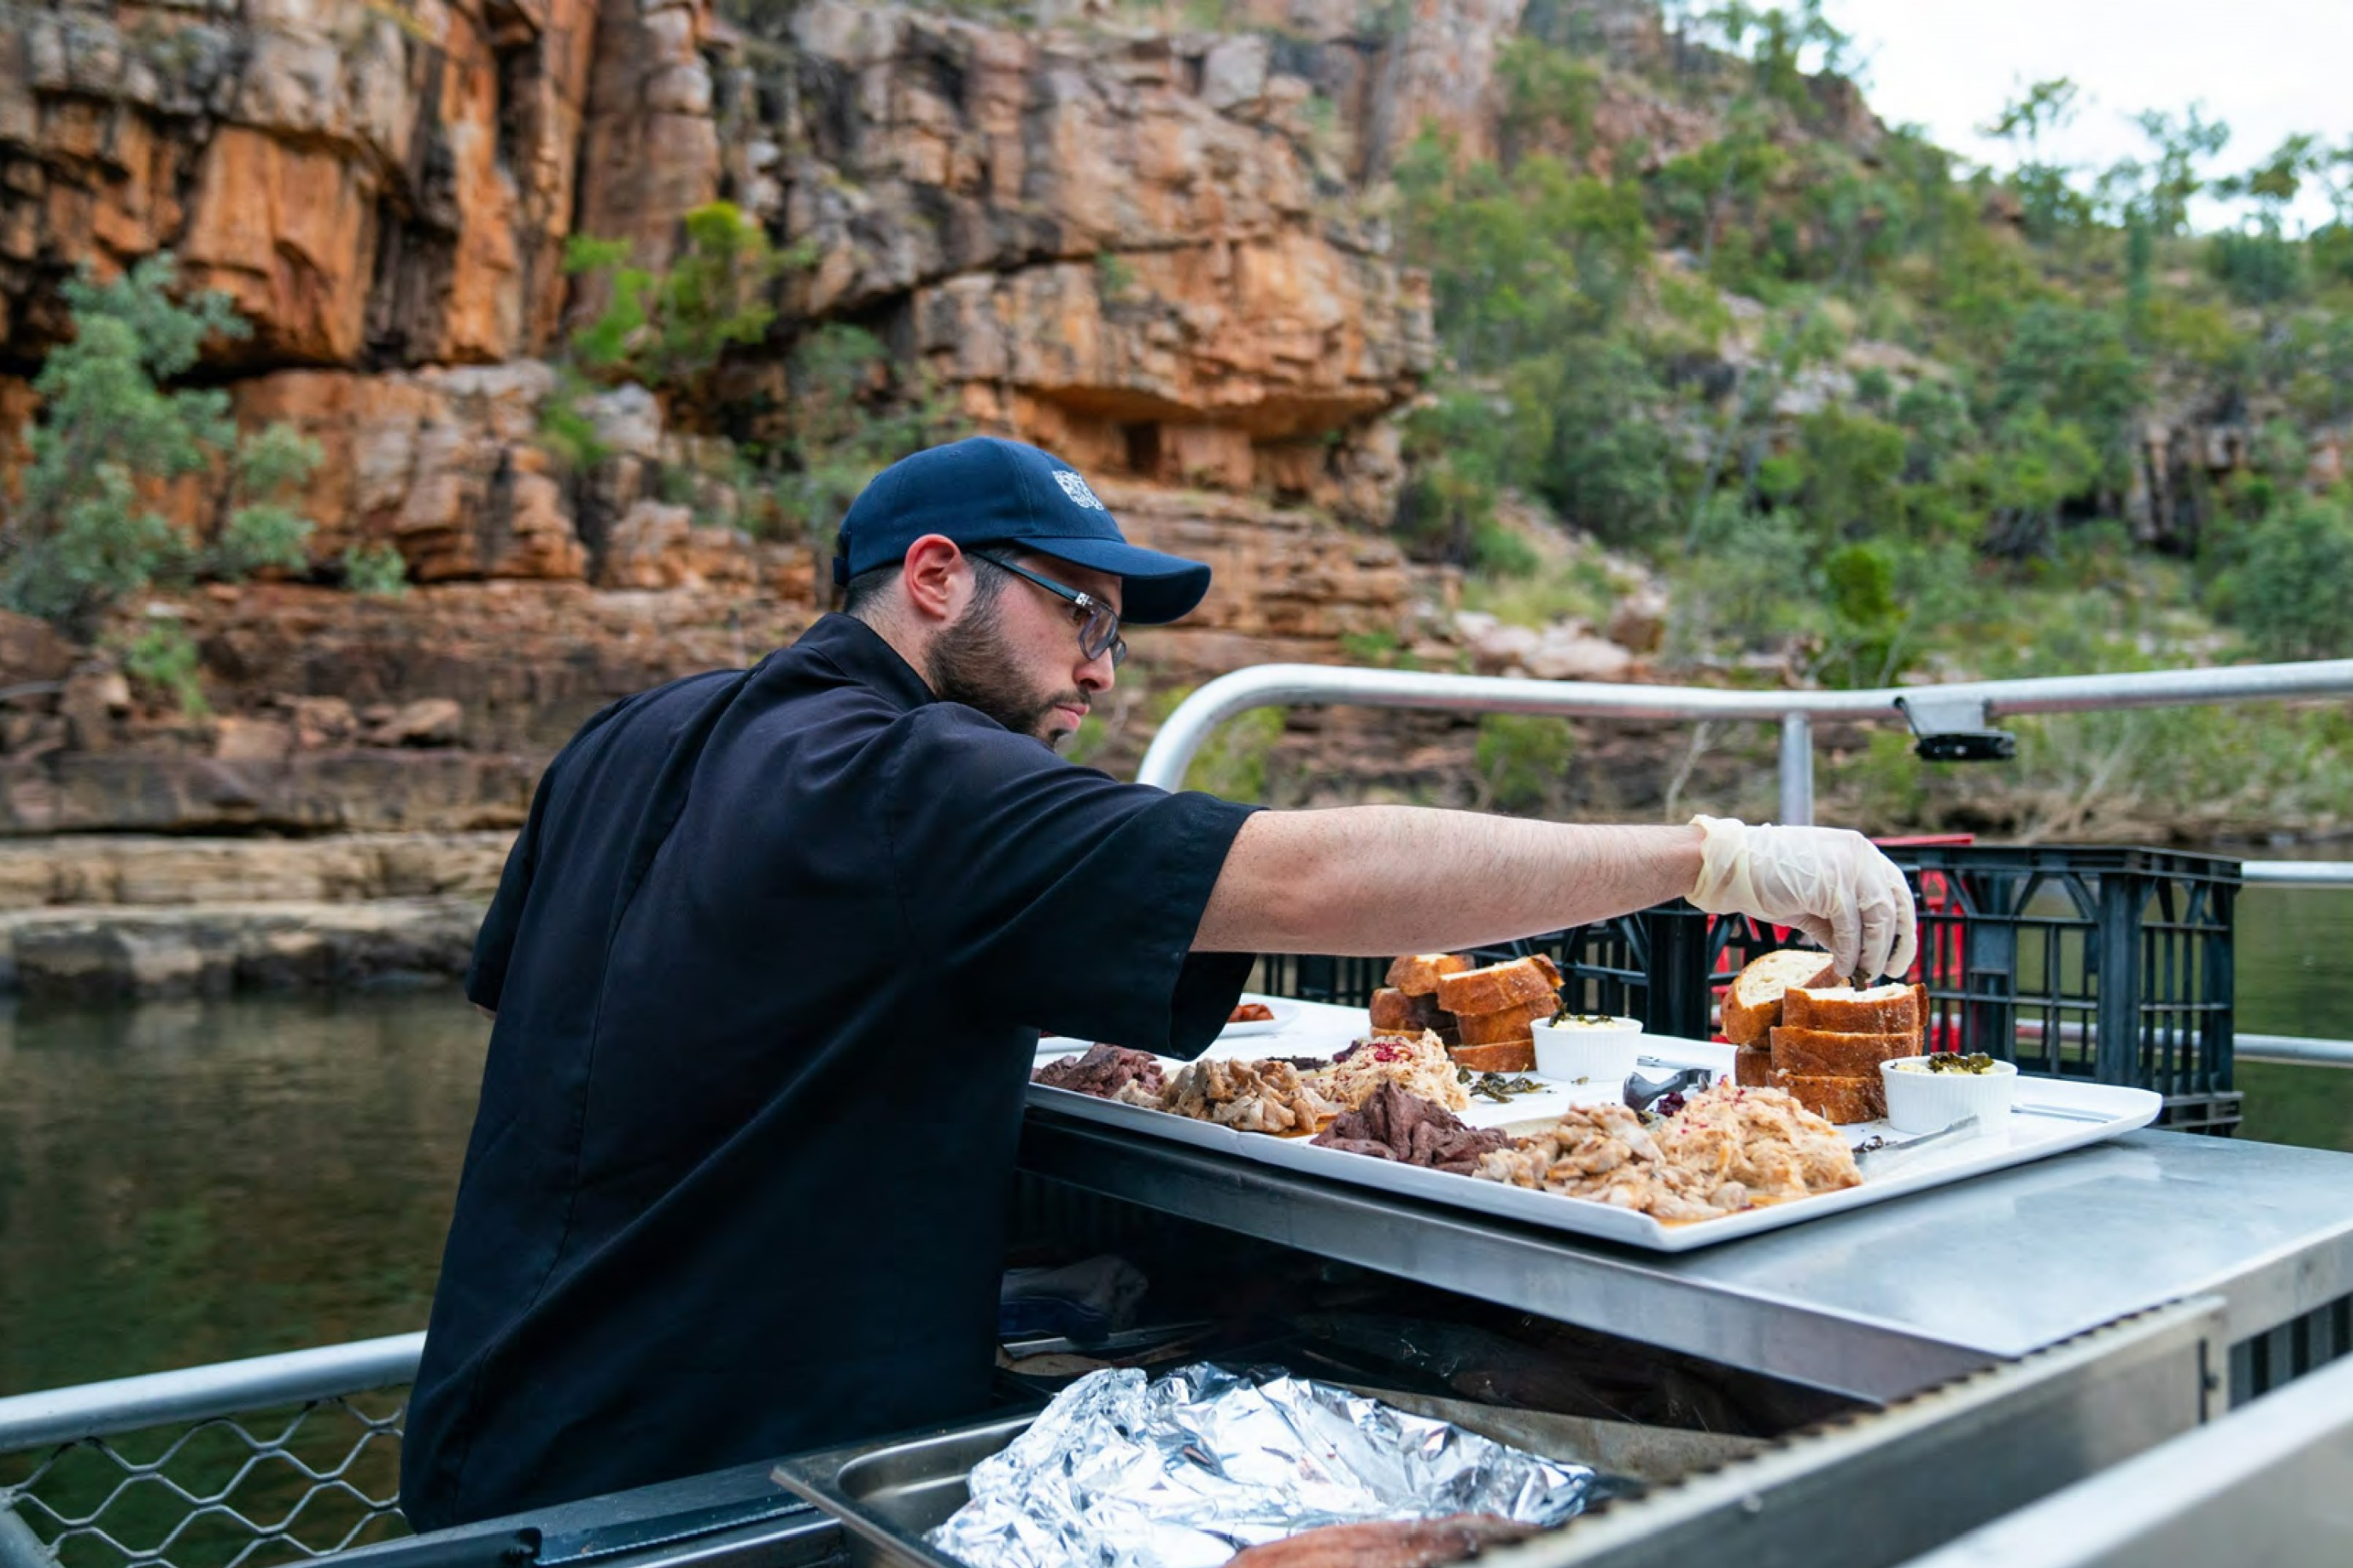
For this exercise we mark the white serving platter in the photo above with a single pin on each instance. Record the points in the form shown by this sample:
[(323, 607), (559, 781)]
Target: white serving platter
[(1286, 1014), (2050, 1117)]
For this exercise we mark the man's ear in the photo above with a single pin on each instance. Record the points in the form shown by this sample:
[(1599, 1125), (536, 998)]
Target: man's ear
[(937, 578)]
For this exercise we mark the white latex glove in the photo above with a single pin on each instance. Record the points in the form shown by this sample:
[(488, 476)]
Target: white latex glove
[(1830, 884)]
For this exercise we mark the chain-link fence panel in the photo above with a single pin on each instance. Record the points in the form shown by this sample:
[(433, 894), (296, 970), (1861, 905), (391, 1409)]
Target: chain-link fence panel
[(251, 1491)]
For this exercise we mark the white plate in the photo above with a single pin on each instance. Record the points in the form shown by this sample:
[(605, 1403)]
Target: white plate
[(1285, 1013), (1060, 1045), (2051, 1115)]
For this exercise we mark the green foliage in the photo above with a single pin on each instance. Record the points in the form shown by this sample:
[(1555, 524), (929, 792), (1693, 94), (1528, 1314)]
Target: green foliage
[(1234, 759), (164, 658), (1455, 444), (377, 570), (666, 329), (1549, 94), (1114, 275), (852, 413), (85, 534), (1523, 759), (2290, 587)]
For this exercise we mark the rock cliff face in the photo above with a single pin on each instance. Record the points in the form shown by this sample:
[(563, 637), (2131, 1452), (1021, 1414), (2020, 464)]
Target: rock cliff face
[(1145, 246)]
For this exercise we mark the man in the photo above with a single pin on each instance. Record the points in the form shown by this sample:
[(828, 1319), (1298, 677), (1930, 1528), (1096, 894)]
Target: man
[(770, 958)]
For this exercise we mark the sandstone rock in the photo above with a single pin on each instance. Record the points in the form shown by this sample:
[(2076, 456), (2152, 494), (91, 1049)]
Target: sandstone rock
[(86, 955), (111, 870), (443, 464), (1564, 651), (239, 739), (319, 721), (436, 790), (1565, 654), (659, 546), (96, 696), (429, 721), (359, 181), (32, 649), (1638, 622)]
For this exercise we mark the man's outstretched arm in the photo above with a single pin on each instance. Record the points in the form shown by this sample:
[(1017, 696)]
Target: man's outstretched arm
[(1378, 879)]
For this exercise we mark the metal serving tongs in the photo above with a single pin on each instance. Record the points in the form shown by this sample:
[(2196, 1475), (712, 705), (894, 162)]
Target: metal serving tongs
[(1876, 1159)]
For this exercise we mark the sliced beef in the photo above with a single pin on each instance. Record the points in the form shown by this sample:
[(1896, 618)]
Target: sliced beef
[(1395, 1125), (1103, 1072)]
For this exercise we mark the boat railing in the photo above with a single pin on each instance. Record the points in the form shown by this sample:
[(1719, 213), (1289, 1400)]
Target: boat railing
[(282, 1457), (1955, 709)]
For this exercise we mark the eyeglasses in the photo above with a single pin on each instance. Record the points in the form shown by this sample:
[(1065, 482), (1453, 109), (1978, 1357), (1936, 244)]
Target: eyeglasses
[(1098, 622)]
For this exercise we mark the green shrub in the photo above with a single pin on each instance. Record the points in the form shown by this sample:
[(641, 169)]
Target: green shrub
[(84, 535), (378, 570), (1233, 760), (852, 414), (2289, 589), (1523, 759), (164, 658), (666, 329)]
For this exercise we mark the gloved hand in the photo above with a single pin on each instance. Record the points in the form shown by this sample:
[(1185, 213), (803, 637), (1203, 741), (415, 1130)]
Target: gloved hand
[(1830, 884)]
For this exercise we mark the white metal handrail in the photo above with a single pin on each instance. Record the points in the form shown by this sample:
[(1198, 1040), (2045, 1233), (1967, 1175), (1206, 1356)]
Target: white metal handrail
[(1291, 686), (200, 1393)]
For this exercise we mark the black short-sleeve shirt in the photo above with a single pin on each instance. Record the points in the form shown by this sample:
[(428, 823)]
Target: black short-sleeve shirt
[(769, 960)]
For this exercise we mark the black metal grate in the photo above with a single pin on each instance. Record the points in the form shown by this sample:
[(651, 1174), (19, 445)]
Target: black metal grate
[(2265, 1362), (2106, 964)]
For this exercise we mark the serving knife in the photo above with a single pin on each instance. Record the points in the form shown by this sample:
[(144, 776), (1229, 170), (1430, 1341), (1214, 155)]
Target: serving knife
[(1881, 1156)]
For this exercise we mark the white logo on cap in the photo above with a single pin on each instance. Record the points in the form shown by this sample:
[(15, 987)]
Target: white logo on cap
[(1076, 489)]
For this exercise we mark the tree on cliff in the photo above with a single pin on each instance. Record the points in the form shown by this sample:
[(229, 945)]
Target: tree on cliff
[(113, 438)]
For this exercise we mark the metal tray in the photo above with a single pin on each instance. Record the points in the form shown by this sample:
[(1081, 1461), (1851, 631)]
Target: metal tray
[(888, 1494), (2052, 1117), (1864, 1492)]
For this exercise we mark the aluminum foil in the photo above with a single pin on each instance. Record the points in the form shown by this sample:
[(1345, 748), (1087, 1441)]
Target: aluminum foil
[(1187, 1469)]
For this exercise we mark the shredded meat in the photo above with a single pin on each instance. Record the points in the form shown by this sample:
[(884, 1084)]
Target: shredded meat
[(1249, 1097), (1418, 1064), (1387, 1543), (1727, 1150), (1395, 1125), (1108, 1072)]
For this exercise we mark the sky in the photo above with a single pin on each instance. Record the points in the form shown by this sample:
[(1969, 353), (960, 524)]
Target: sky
[(2266, 67)]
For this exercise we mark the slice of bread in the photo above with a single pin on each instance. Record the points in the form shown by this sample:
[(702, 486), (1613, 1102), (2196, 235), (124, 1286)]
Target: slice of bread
[(1839, 1100), (1892, 1008), (1417, 974), (1498, 986), (1394, 1010), (1825, 1054), (1752, 1067), (1512, 1056), (1516, 1022), (1752, 1006)]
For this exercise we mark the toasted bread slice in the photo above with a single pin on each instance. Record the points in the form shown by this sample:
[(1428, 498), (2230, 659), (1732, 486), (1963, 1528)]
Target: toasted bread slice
[(1516, 1022), (1892, 1008), (1839, 1100), (1510, 1056), (1752, 1005), (1752, 1067), (1498, 986), (1417, 974), (1396, 1010), (1826, 1053)]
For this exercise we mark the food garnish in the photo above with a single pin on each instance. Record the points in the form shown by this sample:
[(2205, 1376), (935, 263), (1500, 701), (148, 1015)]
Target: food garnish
[(1948, 1062)]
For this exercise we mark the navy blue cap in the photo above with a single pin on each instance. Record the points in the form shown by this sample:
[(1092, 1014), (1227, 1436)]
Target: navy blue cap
[(984, 490)]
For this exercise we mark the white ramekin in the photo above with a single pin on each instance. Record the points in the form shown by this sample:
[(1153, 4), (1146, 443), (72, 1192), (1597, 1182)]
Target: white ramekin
[(1604, 1052), (1920, 1101)]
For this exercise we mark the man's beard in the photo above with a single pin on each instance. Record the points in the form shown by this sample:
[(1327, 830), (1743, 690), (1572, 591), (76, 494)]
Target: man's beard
[(970, 663)]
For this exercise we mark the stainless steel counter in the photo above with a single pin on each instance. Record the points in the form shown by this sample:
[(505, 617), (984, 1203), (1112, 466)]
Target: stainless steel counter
[(1878, 1302)]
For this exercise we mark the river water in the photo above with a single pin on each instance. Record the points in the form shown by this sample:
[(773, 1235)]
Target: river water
[(187, 1183)]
